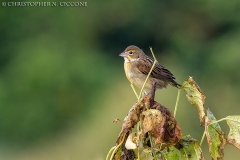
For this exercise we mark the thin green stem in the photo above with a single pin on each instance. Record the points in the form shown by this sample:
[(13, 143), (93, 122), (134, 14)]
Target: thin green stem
[(203, 136), (134, 91), (108, 155), (146, 79), (152, 53), (115, 149), (176, 105), (154, 63), (138, 154), (218, 121), (151, 142)]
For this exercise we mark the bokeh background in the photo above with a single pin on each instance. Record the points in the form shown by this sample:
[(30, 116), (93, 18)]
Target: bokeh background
[(62, 81)]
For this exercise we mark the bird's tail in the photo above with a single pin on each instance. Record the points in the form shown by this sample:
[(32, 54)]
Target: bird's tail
[(175, 84)]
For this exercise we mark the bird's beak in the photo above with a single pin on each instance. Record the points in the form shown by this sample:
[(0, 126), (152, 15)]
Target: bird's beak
[(123, 54)]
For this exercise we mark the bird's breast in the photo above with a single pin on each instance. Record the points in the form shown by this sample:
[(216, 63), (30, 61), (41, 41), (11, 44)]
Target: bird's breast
[(134, 75), (128, 70)]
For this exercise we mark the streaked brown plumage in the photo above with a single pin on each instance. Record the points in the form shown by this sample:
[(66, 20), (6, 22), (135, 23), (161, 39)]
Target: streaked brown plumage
[(137, 65)]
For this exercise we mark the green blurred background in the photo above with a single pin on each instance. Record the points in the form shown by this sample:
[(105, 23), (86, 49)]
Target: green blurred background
[(62, 81)]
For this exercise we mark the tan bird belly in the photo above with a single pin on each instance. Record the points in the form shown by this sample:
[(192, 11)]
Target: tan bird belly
[(136, 77)]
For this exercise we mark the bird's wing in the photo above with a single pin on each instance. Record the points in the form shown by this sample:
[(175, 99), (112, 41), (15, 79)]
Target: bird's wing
[(158, 72)]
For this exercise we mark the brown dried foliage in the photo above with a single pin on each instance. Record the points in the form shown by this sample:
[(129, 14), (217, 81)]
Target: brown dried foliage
[(166, 131)]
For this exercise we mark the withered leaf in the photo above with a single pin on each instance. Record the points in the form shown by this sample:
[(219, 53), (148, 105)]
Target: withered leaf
[(164, 129), (234, 133), (195, 96), (152, 118), (215, 137), (189, 150)]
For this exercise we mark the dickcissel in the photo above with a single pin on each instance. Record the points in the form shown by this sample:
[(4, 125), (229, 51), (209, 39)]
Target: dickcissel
[(137, 65)]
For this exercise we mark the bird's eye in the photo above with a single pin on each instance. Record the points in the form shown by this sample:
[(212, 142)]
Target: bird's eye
[(131, 52)]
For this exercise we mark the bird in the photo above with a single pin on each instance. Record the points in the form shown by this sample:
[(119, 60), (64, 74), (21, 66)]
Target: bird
[(137, 65)]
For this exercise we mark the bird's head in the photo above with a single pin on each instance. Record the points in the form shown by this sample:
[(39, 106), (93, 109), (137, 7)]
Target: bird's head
[(132, 53)]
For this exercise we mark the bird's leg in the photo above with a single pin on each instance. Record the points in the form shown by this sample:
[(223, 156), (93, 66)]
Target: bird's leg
[(134, 90)]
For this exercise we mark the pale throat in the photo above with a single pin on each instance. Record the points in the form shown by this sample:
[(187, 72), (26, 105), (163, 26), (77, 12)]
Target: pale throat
[(130, 60), (126, 59)]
